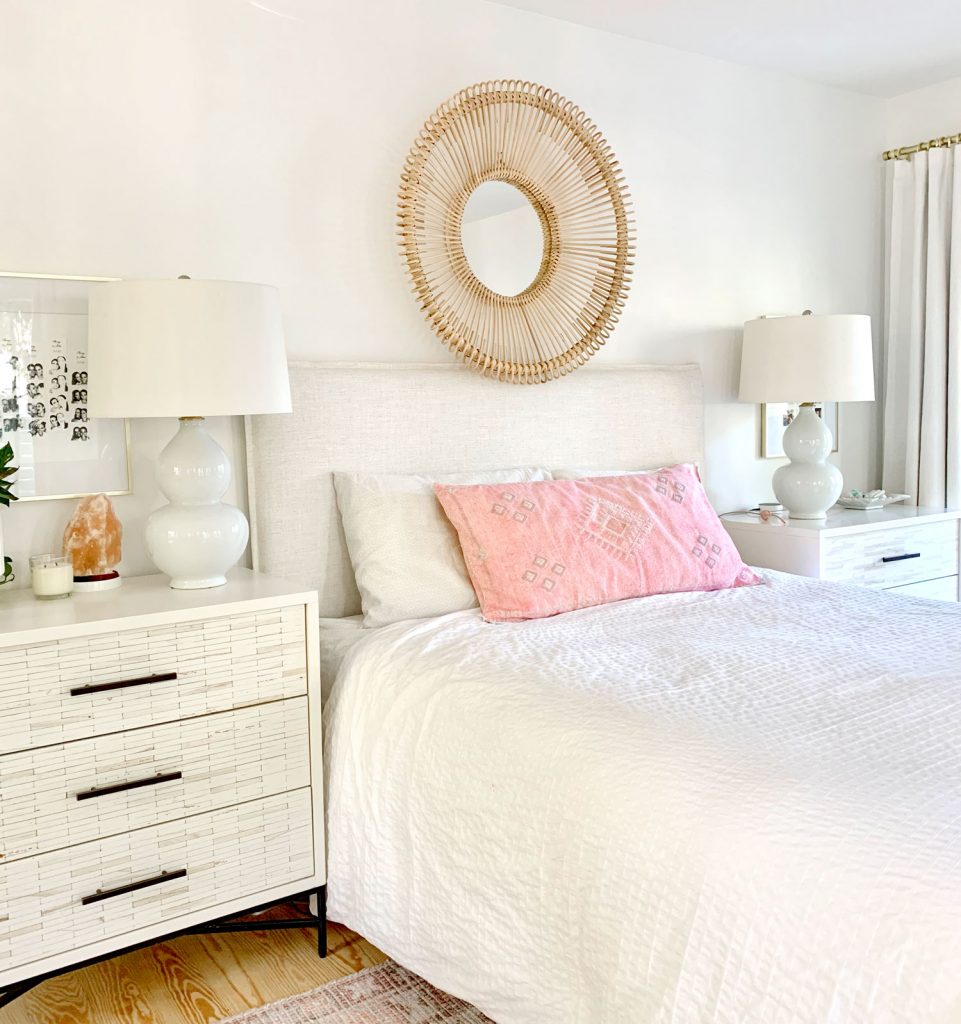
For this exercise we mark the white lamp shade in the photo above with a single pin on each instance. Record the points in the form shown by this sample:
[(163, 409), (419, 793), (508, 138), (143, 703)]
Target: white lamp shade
[(186, 348), (824, 358)]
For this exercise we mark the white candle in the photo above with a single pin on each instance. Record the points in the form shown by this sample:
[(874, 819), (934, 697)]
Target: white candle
[(51, 576)]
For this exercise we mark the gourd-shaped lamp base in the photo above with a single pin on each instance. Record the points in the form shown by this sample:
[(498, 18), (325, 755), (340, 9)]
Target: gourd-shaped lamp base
[(197, 537), (808, 485)]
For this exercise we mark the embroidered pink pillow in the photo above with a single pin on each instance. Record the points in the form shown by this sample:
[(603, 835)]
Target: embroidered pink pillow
[(537, 549)]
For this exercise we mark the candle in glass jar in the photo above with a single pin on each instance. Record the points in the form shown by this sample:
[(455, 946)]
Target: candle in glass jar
[(51, 576)]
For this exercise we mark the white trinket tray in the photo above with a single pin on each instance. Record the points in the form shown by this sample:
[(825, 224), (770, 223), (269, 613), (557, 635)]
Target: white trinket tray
[(866, 503)]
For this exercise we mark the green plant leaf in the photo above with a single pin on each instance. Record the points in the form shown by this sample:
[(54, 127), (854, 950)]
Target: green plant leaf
[(6, 470)]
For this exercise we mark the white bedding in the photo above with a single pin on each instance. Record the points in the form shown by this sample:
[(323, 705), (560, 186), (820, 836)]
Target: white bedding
[(717, 808), (337, 637)]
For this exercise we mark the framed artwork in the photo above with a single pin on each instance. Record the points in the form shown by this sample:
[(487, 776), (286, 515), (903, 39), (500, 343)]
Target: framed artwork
[(775, 418), (61, 452)]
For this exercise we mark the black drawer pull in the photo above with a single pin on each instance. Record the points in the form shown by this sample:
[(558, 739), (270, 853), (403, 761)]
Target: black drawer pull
[(89, 794), (120, 684), (106, 894), (900, 558)]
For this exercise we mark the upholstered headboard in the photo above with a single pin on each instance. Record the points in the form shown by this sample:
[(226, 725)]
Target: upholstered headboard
[(403, 418)]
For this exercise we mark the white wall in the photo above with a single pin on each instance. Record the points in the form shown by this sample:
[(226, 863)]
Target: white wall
[(923, 114), (214, 138)]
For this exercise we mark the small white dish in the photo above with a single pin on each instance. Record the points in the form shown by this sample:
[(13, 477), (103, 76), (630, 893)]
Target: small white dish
[(866, 504), (94, 584)]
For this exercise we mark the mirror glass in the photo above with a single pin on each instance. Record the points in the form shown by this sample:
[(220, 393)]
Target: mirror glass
[(502, 237)]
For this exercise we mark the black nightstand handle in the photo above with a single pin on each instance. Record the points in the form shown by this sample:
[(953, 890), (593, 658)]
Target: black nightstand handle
[(900, 558), (106, 894), (120, 684), (154, 780)]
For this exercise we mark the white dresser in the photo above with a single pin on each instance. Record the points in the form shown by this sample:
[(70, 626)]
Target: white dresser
[(160, 764), (903, 549)]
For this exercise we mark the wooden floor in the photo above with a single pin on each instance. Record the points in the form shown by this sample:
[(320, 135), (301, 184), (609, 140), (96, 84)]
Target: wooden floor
[(197, 979)]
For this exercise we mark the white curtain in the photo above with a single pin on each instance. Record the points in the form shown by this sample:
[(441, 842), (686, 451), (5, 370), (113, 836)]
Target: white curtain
[(922, 328)]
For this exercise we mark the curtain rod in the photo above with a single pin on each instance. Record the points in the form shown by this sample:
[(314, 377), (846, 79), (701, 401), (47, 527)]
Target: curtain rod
[(905, 151)]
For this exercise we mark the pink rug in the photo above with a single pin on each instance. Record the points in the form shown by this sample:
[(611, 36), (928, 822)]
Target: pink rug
[(385, 994)]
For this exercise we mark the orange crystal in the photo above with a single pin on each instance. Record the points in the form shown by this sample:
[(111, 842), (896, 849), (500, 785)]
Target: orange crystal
[(93, 536)]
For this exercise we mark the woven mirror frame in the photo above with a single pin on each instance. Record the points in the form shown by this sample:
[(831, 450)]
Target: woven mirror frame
[(546, 147)]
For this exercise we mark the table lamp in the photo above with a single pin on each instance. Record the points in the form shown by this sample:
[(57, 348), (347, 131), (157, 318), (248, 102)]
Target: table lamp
[(807, 359), (189, 349)]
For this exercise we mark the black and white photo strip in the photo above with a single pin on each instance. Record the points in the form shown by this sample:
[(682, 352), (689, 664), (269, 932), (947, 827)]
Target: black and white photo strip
[(43, 398)]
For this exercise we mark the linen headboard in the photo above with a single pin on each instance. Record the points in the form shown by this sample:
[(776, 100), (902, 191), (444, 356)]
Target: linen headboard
[(409, 418)]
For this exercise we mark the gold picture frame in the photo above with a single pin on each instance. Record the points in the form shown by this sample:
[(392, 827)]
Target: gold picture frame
[(47, 350), (530, 137)]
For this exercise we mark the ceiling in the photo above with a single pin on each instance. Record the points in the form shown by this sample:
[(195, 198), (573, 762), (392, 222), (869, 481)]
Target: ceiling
[(879, 47)]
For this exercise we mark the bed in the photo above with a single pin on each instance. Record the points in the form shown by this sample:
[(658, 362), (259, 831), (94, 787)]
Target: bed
[(726, 807)]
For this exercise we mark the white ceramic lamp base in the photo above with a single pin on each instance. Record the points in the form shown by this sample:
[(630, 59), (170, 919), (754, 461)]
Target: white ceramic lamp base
[(808, 485), (196, 538)]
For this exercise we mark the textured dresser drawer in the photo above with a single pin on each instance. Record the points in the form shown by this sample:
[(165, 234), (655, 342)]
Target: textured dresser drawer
[(892, 558), (77, 792), (71, 689), (945, 589), (64, 901)]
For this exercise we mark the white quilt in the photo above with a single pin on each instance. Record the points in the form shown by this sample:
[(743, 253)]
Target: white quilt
[(717, 808)]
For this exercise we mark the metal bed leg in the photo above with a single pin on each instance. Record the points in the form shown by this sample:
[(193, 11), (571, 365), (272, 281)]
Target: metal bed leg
[(322, 921)]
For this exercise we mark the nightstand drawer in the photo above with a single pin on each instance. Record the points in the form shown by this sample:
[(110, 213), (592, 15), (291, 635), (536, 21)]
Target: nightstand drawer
[(65, 901), (77, 792), (77, 688), (945, 589), (894, 557)]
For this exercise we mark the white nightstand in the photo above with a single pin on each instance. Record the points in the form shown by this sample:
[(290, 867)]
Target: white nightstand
[(160, 766), (902, 549)]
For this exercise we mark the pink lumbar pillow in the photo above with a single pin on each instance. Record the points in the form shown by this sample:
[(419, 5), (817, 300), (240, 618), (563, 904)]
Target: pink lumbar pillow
[(537, 549)]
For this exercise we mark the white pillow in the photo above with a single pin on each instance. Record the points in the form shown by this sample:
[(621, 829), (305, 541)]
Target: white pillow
[(405, 553), (581, 474)]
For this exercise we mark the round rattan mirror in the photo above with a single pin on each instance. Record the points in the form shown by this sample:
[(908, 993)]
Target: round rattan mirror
[(513, 306)]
